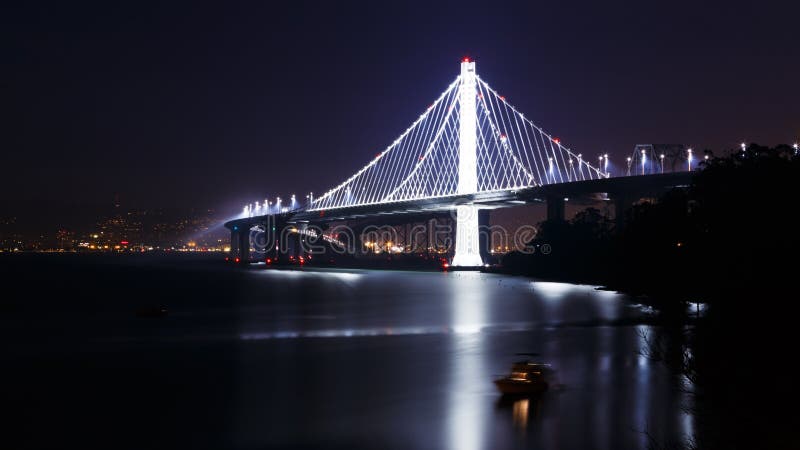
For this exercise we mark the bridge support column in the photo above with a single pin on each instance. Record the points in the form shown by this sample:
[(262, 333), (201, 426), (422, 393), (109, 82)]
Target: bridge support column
[(468, 249), (485, 234), (556, 208), (234, 242), (300, 241), (621, 206), (244, 245)]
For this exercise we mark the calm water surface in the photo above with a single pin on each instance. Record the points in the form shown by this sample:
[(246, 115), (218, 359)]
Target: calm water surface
[(321, 359)]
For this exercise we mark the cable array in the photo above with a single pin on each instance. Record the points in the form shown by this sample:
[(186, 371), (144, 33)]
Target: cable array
[(422, 163)]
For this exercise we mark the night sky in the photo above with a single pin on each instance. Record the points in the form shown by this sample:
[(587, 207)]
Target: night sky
[(217, 105)]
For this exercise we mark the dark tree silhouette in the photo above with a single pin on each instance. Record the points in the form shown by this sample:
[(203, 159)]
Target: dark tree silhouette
[(729, 241)]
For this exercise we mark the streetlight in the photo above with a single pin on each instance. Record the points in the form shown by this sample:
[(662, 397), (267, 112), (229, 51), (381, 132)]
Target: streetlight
[(629, 165), (795, 147), (744, 146), (662, 162), (690, 159), (605, 166)]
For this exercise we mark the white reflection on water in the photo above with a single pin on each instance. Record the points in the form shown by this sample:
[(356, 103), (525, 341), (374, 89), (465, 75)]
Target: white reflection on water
[(643, 392), (384, 331), (553, 291), (558, 299), (347, 332), (466, 405), (312, 273)]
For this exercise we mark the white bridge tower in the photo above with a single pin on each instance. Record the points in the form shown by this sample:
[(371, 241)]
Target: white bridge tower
[(467, 231)]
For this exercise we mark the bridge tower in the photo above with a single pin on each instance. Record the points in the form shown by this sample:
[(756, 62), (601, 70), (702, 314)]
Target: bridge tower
[(467, 226)]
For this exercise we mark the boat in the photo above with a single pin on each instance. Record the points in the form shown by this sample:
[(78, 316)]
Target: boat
[(526, 378)]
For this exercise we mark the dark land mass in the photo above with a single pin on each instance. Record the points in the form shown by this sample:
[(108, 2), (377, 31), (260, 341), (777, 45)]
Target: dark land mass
[(728, 242)]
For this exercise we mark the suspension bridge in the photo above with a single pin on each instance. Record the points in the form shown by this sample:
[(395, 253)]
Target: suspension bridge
[(469, 152)]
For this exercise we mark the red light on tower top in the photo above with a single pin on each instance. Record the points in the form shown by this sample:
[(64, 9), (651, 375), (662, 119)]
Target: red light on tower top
[(465, 59), (557, 140)]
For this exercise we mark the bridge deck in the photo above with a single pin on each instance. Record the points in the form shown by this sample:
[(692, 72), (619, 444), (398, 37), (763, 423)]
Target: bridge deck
[(631, 186)]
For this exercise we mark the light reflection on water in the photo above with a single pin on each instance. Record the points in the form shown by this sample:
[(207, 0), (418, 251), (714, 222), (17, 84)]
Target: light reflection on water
[(554, 291), (355, 359), (458, 331), (363, 332), (338, 274), (642, 383), (520, 412), (466, 404)]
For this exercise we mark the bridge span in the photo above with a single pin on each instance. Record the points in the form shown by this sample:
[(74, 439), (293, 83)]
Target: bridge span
[(469, 152), (622, 191)]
